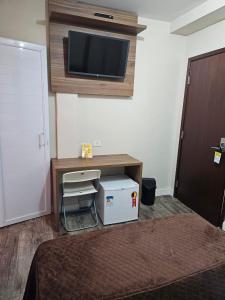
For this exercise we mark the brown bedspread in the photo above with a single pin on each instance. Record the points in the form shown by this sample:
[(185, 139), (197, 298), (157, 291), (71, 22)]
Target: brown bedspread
[(180, 257)]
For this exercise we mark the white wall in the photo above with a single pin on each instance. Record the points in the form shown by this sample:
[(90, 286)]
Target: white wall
[(145, 126), (206, 40), (208, 13), (142, 125), (25, 20)]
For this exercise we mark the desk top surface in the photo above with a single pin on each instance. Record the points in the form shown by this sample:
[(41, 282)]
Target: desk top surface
[(99, 161)]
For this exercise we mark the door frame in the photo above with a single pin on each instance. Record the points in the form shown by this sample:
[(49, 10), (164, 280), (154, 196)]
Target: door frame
[(190, 60), (44, 77)]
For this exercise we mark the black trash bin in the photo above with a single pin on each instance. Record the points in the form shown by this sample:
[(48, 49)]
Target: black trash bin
[(148, 191)]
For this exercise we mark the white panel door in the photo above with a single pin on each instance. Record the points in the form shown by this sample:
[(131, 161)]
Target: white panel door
[(24, 147)]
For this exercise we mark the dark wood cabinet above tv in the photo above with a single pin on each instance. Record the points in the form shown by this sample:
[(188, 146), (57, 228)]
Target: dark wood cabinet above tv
[(66, 15)]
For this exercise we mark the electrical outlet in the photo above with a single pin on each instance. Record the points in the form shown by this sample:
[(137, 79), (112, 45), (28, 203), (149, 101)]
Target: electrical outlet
[(97, 143)]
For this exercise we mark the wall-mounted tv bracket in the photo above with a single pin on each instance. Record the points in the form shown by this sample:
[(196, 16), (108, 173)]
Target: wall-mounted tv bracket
[(104, 16)]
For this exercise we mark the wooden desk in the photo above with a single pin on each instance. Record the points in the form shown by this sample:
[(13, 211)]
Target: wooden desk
[(132, 168)]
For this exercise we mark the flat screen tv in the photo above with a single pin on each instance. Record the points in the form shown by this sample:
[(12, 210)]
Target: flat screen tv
[(98, 56)]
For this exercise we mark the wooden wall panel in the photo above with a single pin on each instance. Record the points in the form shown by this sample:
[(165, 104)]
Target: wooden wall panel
[(61, 80), (76, 8)]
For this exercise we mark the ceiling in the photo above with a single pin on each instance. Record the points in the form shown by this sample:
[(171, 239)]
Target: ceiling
[(166, 10)]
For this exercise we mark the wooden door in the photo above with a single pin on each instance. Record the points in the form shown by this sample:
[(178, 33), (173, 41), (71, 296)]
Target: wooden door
[(24, 149), (199, 181)]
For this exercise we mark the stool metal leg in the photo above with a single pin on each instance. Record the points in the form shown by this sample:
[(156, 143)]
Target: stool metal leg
[(65, 223), (95, 214)]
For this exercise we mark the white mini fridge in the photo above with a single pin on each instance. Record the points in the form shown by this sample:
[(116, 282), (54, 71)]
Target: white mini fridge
[(117, 199)]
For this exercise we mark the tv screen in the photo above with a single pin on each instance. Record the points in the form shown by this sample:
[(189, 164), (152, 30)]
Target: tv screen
[(95, 55)]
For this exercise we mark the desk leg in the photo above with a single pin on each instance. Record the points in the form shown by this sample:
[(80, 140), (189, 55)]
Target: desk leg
[(55, 198), (135, 172)]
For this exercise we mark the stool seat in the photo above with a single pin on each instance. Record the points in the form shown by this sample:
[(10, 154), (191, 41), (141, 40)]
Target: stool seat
[(79, 189)]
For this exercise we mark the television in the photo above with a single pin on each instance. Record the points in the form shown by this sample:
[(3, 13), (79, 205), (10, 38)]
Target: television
[(98, 56)]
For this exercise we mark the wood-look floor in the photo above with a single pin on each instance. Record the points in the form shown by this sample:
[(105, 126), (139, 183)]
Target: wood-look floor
[(19, 242)]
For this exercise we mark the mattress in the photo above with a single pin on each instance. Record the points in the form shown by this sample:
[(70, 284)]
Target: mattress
[(179, 257)]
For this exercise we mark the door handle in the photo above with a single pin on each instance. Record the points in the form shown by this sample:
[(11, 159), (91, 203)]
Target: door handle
[(220, 149), (216, 148), (41, 139)]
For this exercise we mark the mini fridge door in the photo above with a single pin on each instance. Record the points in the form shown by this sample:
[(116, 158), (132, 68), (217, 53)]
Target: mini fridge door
[(120, 205)]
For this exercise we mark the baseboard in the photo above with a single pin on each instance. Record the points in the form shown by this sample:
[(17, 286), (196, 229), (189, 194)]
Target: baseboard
[(164, 191), (25, 218)]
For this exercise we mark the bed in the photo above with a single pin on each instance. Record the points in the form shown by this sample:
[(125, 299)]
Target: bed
[(180, 257)]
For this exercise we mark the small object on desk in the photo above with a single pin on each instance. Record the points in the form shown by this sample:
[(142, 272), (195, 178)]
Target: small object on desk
[(87, 151)]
